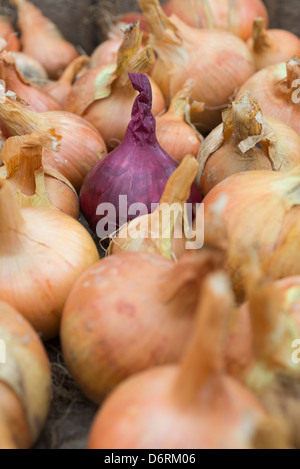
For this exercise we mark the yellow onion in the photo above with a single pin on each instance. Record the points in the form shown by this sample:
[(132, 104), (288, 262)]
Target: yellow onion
[(174, 130), (151, 303), (104, 96), (30, 68), (37, 99), (34, 185), (25, 382), (235, 16), (192, 405), (270, 47), (166, 230), (42, 254), (81, 145), (217, 61), (41, 39), (60, 89), (259, 212), (106, 53), (277, 89), (246, 141)]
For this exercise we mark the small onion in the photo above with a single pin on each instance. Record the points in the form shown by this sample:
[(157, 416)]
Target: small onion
[(270, 47), (235, 16), (25, 382), (34, 185), (42, 254), (151, 303), (81, 145), (41, 39), (174, 131), (246, 141), (193, 405), (37, 99), (257, 211), (217, 61), (104, 96), (277, 90)]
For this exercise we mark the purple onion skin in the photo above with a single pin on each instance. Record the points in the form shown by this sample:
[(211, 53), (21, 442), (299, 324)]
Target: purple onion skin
[(139, 168)]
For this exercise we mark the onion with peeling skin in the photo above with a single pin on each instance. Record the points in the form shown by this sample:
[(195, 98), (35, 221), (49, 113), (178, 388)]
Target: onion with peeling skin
[(224, 66), (270, 47), (25, 382), (191, 405), (36, 99), (235, 16), (151, 303), (246, 141), (81, 145), (34, 185), (104, 96), (41, 39), (42, 254), (277, 90)]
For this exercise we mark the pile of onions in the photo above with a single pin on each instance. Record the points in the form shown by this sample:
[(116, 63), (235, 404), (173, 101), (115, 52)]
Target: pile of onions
[(180, 57), (9, 35), (270, 47), (42, 254), (151, 303), (81, 145), (105, 96), (37, 99), (30, 68), (234, 16), (138, 169), (259, 212), (185, 406), (34, 185), (174, 131), (25, 382), (166, 231), (41, 39), (61, 88), (277, 89), (246, 141)]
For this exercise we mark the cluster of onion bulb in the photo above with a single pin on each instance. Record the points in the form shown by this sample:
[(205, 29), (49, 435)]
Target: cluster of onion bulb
[(246, 141), (277, 90), (187, 406), (179, 58), (259, 212), (42, 254), (25, 382), (34, 184)]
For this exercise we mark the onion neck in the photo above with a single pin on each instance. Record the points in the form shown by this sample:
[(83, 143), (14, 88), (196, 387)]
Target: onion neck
[(73, 69), (139, 63), (180, 102), (178, 187), (203, 362), (18, 120), (29, 162), (261, 39), (160, 24)]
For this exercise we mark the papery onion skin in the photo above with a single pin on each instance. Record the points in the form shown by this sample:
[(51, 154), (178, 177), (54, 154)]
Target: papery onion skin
[(236, 17), (256, 211), (184, 406), (41, 39), (37, 99), (81, 145), (225, 66), (270, 47), (276, 97), (30, 68), (123, 172), (229, 159), (23, 408), (8, 33), (42, 256)]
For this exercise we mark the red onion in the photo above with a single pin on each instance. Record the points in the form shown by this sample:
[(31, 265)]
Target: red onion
[(139, 168)]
